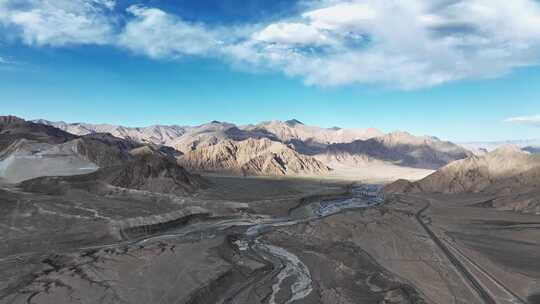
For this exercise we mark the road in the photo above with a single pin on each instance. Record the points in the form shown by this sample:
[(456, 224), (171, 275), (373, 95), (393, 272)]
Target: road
[(498, 293), (474, 283)]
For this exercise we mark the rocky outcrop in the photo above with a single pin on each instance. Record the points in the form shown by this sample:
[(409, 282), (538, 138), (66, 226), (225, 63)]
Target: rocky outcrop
[(252, 157), (154, 173), (104, 150)]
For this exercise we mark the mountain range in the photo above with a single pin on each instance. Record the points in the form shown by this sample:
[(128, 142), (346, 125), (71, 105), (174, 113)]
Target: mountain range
[(282, 147), (186, 137)]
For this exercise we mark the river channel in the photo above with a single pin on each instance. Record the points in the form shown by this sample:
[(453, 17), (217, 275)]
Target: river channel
[(289, 268)]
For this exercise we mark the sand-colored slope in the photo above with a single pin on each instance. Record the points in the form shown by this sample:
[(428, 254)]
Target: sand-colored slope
[(252, 157), (507, 168), (510, 175), (397, 148)]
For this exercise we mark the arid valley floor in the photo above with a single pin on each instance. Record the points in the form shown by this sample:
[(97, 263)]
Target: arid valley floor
[(139, 228)]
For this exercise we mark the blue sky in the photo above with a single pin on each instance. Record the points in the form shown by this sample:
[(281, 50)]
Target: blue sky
[(325, 62)]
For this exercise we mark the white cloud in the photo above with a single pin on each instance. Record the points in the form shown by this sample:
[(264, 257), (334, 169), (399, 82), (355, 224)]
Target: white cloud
[(110, 4), (341, 15), (407, 44), (291, 33), (397, 43), (59, 22), (533, 120), (159, 35)]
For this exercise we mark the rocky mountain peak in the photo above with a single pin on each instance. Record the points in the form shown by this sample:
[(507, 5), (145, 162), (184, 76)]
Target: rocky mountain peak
[(8, 120), (293, 122), (508, 150)]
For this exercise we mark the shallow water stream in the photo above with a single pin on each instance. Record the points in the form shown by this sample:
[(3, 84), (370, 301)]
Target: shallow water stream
[(291, 266), (292, 272)]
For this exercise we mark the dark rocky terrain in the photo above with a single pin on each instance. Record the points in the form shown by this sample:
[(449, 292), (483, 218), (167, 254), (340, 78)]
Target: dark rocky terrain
[(532, 149), (140, 228)]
